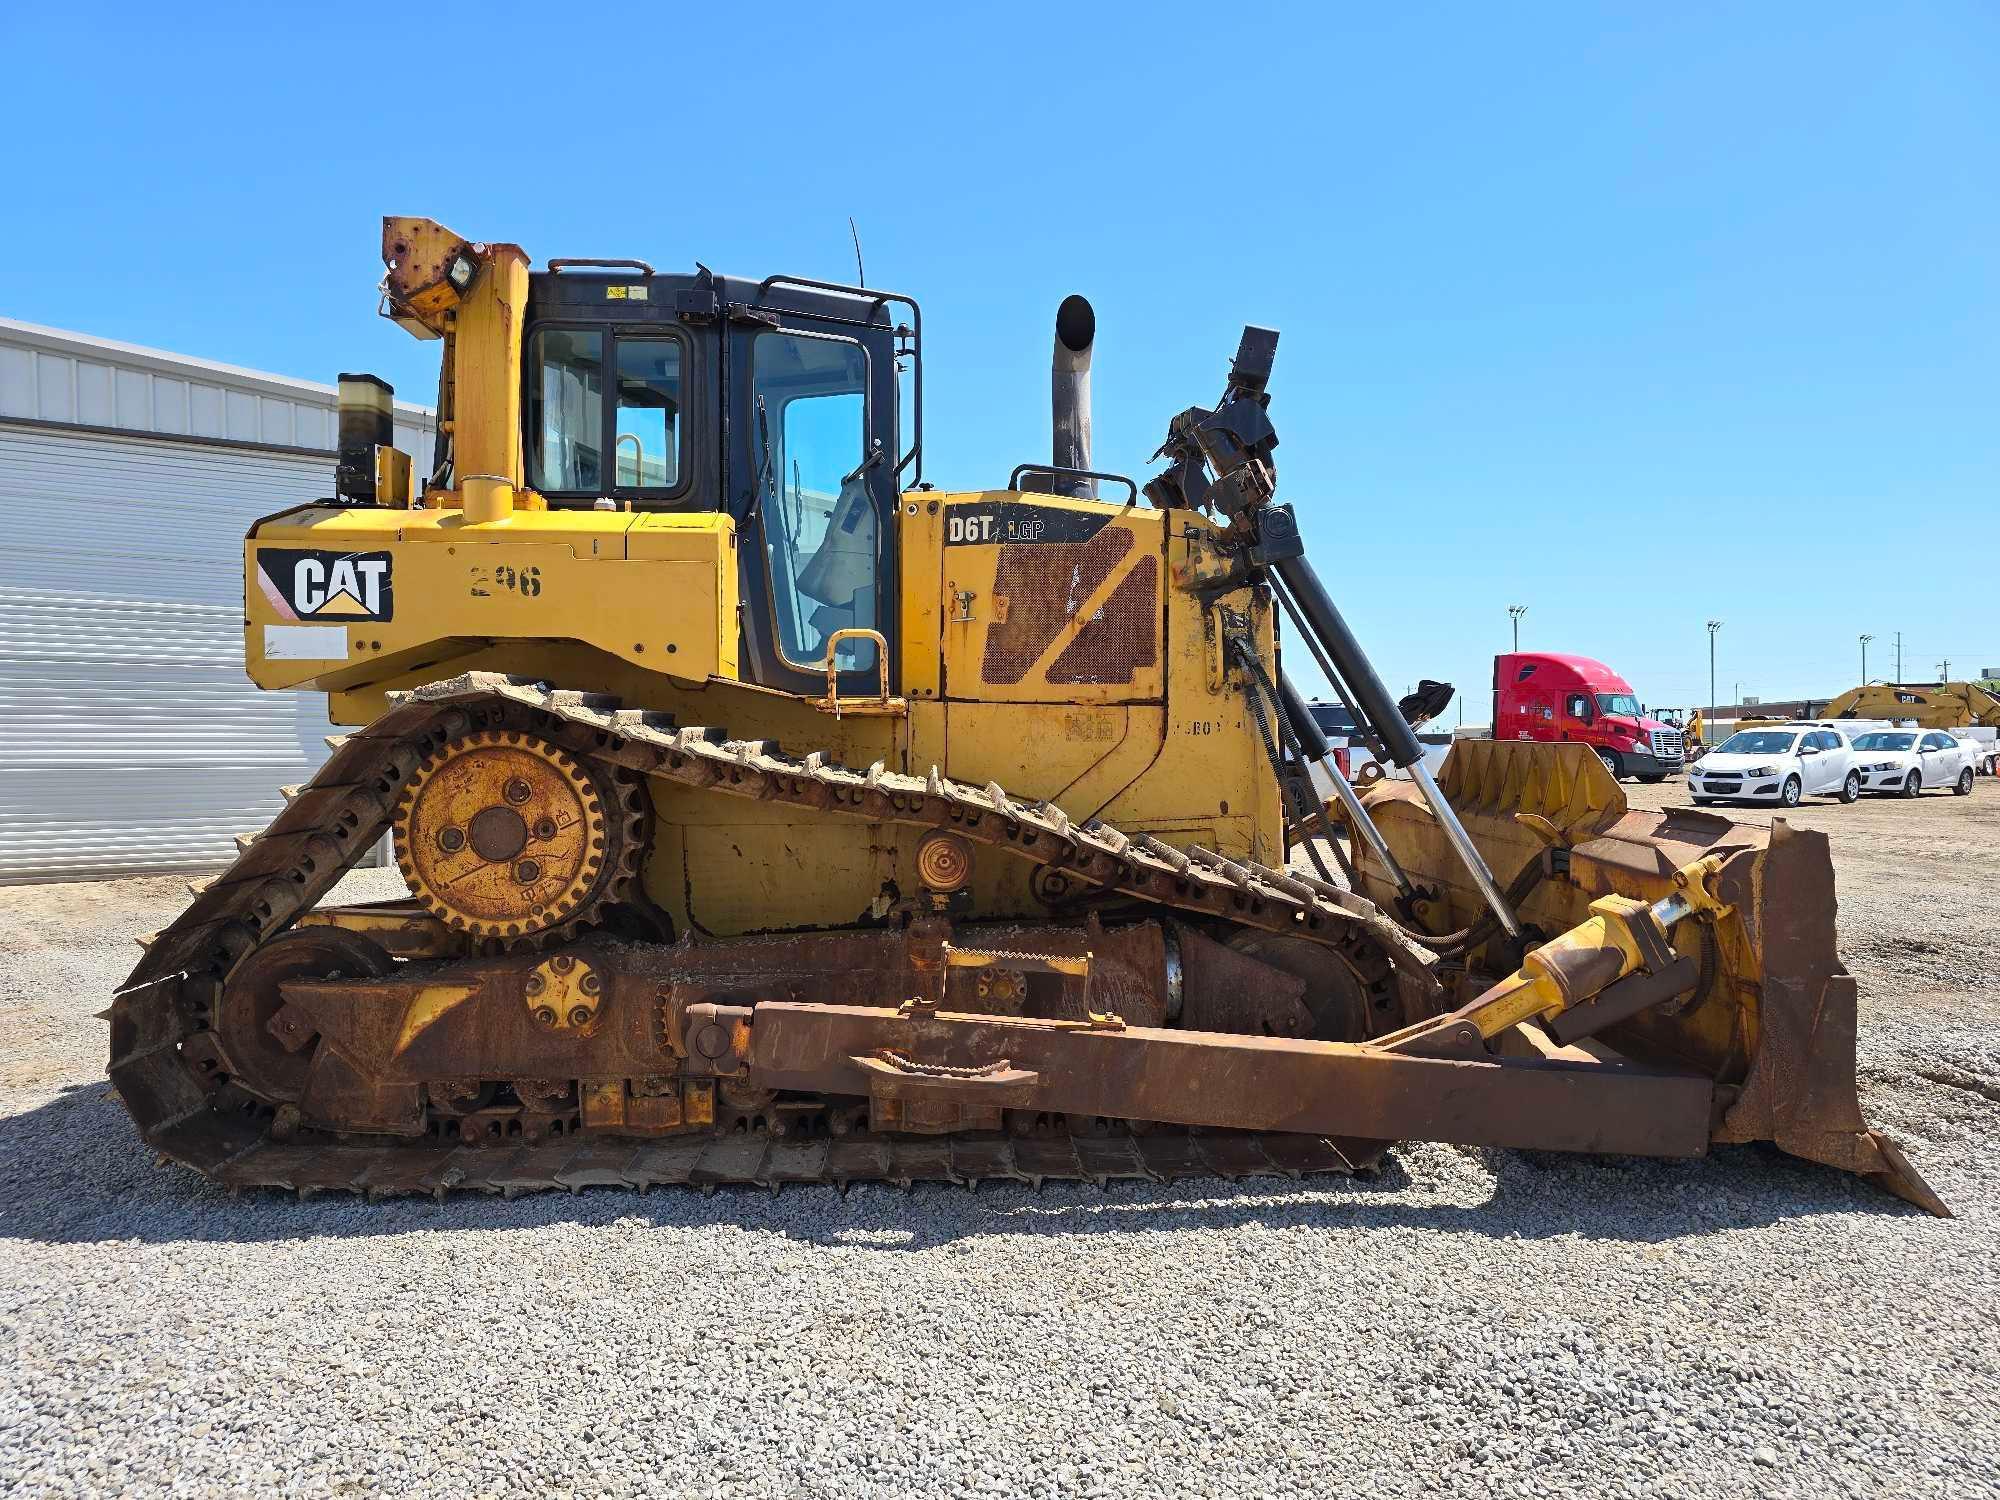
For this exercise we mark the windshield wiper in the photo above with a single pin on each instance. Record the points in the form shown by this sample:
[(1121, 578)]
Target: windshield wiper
[(763, 460), (875, 456)]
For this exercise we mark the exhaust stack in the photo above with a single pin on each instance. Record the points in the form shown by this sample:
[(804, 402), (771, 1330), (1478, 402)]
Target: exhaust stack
[(1069, 382)]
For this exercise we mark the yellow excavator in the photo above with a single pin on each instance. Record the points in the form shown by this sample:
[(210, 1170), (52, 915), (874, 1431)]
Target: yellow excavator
[(770, 815), (1931, 705)]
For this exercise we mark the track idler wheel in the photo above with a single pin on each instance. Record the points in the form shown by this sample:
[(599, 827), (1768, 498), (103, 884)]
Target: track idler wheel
[(272, 1061), (503, 835), (1335, 995)]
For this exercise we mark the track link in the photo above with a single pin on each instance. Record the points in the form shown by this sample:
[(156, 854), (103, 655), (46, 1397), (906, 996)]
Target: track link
[(160, 1017), (709, 1161)]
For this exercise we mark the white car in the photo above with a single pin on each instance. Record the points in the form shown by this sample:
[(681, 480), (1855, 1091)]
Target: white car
[(1908, 761), (1355, 760), (1777, 765)]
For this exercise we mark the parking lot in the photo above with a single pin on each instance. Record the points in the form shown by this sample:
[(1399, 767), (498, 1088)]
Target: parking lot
[(1513, 1324)]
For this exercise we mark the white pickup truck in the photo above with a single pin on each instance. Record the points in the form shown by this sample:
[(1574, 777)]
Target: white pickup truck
[(1986, 747)]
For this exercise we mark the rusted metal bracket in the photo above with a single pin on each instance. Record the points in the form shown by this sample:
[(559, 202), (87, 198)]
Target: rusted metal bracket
[(402, 929), (882, 703), (1070, 965), (1623, 1000), (893, 1074)]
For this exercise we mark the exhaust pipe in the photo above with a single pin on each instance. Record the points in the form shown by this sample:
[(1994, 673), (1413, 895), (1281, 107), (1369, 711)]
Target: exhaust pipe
[(1069, 383)]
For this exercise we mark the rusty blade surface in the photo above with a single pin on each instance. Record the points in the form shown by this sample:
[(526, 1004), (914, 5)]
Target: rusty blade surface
[(1801, 1091)]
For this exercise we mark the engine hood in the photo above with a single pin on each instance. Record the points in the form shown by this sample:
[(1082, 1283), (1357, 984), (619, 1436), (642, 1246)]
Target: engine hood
[(1642, 726), (1715, 760)]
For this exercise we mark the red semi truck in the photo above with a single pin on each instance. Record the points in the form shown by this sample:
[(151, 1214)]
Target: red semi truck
[(1550, 695)]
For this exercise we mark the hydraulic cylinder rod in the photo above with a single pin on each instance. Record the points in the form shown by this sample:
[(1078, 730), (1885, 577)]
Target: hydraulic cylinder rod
[(1365, 693), (1317, 750), (1372, 705)]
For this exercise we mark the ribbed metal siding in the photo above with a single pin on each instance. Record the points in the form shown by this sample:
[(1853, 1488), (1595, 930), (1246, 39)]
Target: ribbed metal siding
[(52, 375), (130, 739)]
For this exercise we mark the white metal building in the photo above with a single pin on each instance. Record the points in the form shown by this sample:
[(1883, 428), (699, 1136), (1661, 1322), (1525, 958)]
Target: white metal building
[(130, 738)]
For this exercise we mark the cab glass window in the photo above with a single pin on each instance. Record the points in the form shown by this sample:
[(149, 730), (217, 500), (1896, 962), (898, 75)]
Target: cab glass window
[(566, 410), (809, 406), (646, 448)]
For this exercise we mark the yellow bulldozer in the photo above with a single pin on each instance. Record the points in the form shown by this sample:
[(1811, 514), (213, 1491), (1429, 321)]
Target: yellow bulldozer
[(770, 815)]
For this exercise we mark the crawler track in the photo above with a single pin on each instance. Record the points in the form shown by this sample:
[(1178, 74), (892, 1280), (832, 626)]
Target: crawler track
[(163, 1065)]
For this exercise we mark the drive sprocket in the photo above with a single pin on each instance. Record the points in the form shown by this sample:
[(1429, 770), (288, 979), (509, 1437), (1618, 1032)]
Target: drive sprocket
[(504, 835)]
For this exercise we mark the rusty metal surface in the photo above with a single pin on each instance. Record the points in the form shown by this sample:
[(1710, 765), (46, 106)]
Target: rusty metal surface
[(402, 929), (257, 1045), (606, 1009), (501, 834), (1224, 990), (1771, 1017), (1045, 584), (722, 1043), (1800, 1092), (1122, 637), (708, 1161), (1279, 1084), (160, 1017)]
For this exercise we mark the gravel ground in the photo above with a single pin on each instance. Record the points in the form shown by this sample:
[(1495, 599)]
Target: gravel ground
[(1466, 1322)]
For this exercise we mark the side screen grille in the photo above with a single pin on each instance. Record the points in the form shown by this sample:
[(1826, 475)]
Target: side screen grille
[(1044, 585)]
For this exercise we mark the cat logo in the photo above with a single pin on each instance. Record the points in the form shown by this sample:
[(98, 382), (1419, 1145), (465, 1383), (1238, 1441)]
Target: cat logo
[(303, 585)]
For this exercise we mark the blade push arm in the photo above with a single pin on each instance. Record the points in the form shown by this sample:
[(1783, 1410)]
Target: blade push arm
[(1606, 969)]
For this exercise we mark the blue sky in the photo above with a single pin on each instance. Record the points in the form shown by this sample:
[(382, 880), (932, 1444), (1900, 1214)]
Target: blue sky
[(1637, 315)]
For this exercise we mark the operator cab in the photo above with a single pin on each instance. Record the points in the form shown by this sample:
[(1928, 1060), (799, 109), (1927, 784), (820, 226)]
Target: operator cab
[(775, 401)]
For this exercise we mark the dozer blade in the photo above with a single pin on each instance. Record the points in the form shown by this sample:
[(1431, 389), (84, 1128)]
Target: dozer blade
[(1771, 1016)]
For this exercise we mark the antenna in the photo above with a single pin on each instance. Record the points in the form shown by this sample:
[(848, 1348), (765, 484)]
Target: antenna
[(860, 276)]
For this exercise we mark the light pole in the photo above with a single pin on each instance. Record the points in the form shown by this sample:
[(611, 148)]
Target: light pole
[(1864, 658), (1713, 626), (1514, 613)]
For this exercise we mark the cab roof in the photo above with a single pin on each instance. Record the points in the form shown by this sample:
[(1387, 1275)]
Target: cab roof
[(1588, 667)]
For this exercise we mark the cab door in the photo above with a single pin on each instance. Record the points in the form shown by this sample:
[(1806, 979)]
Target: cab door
[(813, 443), (1939, 768), (1577, 717)]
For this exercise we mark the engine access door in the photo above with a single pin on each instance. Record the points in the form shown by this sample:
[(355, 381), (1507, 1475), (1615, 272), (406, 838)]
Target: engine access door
[(1052, 600)]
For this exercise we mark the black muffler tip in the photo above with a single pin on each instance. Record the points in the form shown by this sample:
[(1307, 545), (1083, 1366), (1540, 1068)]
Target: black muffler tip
[(1076, 325)]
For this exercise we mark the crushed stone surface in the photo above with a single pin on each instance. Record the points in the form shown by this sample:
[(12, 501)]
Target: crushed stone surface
[(1464, 1322)]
